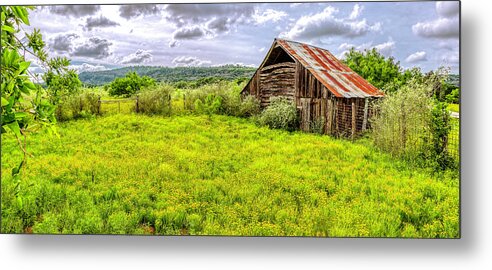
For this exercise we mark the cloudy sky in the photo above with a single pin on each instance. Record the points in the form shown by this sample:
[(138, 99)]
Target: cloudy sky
[(98, 37)]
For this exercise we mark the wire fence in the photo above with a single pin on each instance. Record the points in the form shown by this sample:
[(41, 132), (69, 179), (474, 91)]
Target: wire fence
[(114, 106), (403, 135), (454, 139)]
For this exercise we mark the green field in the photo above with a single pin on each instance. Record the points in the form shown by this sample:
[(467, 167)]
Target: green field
[(454, 107), (134, 174)]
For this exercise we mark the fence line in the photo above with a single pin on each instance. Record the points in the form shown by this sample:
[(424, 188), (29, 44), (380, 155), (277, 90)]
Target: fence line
[(117, 101), (345, 126)]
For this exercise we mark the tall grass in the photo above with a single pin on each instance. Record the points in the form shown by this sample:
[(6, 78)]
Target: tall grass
[(403, 120), (156, 100)]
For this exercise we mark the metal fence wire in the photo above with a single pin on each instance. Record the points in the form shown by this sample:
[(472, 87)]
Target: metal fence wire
[(351, 118)]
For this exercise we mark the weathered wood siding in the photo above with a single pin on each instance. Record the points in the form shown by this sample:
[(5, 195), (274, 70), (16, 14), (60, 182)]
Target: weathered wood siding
[(277, 80)]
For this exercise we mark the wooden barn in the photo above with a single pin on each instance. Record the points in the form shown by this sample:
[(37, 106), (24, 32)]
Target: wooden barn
[(325, 91)]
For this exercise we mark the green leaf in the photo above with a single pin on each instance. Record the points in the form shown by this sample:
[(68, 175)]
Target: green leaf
[(23, 66), (14, 126), (22, 13), (19, 201), (8, 28), (16, 170), (24, 89), (20, 115), (5, 102), (10, 85), (30, 85)]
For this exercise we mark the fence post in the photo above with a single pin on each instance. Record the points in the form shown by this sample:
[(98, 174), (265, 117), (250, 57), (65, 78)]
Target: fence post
[(354, 113), (136, 105), (329, 118), (119, 106), (366, 107)]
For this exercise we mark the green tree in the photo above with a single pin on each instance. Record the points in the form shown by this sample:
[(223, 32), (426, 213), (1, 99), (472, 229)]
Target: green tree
[(60, 80), (129, 85), (384, 73), (24, 105)]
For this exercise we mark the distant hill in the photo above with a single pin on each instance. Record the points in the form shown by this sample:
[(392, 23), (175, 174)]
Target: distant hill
[(168, 74)]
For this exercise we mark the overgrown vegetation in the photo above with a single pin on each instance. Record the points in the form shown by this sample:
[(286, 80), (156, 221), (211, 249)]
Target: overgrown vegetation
[(129, 85), (413, 124), (26, 107), (137, 174), (155, 100), (74, 106), (281, 114)]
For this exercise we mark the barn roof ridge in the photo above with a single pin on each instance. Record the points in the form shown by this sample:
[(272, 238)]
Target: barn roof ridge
[(302, 43), (329, 70)]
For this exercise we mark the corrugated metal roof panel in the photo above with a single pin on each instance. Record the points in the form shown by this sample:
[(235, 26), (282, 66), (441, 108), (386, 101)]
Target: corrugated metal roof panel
[(331, 72)]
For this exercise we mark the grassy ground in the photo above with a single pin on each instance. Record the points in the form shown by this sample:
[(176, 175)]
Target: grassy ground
[(134, 174), (454, 107)]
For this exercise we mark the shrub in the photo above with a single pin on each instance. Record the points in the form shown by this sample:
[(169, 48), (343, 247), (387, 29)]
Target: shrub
[(454, 96), (211, 105), (403, 120), (129, 84), (231, 102), (156, 100), (250, 106), (77, 106), (281, 113), (414, 125), (440, 128), (91, 102)]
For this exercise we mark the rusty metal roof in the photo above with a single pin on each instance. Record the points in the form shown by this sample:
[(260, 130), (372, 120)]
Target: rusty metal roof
[(331, 72)]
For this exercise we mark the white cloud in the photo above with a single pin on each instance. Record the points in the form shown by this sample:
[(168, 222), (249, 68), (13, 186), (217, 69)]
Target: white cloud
[(444, 27), (192, 32), (139, 57), (449, 44), (440, 28), (240, 64), (262, 49), (63, 42), (74, 10), (268, 15), (417, 57), (451, 58), (101, 21), (93, 47), (196, 21), (356, 12), (190, 61), (85, 67), (326, 24), (131, 11), (386, 48)]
